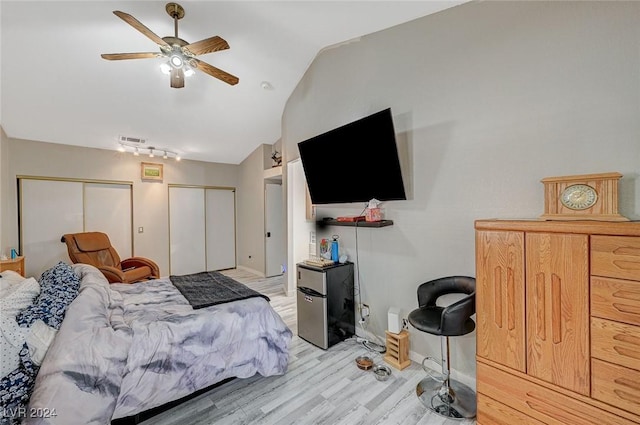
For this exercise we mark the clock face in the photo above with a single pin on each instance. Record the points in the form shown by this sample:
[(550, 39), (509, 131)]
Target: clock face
[(579, 197)]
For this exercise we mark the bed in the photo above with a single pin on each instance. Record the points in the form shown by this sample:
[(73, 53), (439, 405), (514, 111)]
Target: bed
[(123, 349)]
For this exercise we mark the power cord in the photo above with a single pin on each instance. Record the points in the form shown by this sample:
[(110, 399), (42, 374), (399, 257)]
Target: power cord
[(369, 345)]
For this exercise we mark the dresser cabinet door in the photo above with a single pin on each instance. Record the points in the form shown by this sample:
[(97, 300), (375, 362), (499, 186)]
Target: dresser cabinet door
[(500, 297), (558, 309)]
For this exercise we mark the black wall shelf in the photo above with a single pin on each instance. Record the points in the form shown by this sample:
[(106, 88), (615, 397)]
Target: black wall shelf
[(382, 223)]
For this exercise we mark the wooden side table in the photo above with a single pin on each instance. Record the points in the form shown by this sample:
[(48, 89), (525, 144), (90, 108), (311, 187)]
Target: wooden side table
[(15, 264), (397, 349)]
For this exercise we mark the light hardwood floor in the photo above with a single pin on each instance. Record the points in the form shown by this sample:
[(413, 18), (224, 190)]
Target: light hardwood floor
[(320, 387)]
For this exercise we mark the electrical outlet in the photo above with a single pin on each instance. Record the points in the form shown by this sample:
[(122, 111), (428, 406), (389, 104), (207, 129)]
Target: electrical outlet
[(364, 310), (405, 324)]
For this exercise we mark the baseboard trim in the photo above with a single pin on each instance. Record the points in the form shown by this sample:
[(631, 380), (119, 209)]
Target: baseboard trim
[(469, 381), (250, 270)]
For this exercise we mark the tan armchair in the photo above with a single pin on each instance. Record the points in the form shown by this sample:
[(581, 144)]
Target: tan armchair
[(95, 248)]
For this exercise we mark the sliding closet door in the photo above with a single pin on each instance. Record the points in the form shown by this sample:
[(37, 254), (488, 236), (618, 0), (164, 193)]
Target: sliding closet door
[(221, 229), (48, 210), (108, 210), (186, 230)]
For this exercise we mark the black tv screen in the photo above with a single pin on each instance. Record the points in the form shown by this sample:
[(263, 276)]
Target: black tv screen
[(354, 163)]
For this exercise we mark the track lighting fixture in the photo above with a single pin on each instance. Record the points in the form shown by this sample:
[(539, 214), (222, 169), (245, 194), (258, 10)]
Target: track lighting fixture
[(136, 149)]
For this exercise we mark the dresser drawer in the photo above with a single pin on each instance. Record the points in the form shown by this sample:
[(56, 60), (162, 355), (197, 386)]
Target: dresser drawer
[(615, 299), (616, 385), (615, 342), (491, 412), (536, 401), (615, 256)]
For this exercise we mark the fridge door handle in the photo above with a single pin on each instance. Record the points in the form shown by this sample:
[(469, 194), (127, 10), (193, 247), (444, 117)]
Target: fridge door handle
[(310, 292)]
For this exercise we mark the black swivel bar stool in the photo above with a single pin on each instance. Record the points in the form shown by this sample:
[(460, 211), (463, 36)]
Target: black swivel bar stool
[(442, 394)]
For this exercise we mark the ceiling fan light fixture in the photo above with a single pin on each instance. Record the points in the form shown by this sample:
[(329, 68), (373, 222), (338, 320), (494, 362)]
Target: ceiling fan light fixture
[(176, 61), (178, 53), (165, 68)]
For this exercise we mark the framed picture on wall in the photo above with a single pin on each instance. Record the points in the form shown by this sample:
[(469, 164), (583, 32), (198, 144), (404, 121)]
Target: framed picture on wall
[(151, 172)]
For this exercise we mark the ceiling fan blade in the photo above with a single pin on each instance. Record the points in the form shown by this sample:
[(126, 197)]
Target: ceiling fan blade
[(121, 56), (140, 27), (177, 78), (208, 45), (216, 72)]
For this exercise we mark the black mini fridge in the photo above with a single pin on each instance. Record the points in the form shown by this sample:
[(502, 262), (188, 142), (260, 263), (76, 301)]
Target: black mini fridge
[(325, 299)]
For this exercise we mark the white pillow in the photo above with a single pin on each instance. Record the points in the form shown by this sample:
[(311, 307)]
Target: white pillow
[(13, 336), (9, 281)]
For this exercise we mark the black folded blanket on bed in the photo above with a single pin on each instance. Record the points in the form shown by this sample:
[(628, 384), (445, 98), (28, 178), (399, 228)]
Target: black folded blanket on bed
[(205, 289)]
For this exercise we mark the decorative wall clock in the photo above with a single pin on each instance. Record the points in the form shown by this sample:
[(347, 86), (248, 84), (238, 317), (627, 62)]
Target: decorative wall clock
[(582, 197)]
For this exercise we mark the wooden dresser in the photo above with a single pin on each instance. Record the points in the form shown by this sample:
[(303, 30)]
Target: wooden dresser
[(558, 322)]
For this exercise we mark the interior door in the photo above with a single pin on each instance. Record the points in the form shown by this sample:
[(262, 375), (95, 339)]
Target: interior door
[(187, 230), (275, 249), (221, 229), (48, 210)]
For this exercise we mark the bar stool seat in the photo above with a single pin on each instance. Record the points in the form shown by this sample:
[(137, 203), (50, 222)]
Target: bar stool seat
[(438, 392)]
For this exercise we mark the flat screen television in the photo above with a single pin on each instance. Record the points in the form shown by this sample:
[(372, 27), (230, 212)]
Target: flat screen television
[(354, 163)]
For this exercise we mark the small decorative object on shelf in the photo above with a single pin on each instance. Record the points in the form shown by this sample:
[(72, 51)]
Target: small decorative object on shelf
[(398, 349), (277, 159), (582, 197)]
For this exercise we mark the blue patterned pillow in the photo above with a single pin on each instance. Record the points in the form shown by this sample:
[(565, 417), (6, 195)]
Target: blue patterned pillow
[(58, 287), (16, 388)]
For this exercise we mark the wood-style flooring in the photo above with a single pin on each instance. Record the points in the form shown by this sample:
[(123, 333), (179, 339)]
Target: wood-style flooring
[(320, 386)]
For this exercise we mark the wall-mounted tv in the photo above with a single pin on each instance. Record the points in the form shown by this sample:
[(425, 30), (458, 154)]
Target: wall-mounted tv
[(354, 163)]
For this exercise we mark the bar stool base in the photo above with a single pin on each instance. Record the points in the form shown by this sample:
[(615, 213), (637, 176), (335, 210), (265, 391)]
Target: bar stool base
[(459, 402)]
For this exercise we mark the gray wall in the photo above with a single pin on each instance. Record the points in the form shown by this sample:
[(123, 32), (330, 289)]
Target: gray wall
[(150, 199), (3, 182), (488, 97), (250, 202)]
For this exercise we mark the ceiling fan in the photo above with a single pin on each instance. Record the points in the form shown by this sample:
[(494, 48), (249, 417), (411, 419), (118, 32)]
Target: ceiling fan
[(181, 55)]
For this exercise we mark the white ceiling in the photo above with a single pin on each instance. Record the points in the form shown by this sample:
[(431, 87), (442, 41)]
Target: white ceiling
[(56, 88)]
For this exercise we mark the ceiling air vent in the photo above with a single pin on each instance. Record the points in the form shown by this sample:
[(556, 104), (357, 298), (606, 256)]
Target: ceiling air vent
[(128, 139)]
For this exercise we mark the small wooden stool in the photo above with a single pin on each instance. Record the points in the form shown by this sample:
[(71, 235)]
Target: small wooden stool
[(397, 349)]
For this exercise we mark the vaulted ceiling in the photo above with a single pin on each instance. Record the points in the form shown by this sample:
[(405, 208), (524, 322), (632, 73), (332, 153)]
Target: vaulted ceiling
[(56, 88)]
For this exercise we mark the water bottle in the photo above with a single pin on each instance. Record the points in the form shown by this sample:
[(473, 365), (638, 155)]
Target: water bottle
[(335, 256)]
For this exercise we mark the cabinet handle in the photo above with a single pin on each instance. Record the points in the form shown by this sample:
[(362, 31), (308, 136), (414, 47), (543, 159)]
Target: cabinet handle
[(556, 308), (511, 298), (627, 295), (628, 383), (625, 308), (540, 307), (497, 290)]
